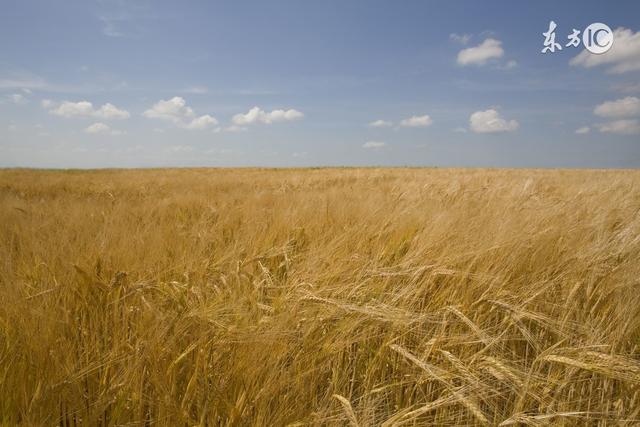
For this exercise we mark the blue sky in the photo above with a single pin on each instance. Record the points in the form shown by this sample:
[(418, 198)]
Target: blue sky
[(296, 83)]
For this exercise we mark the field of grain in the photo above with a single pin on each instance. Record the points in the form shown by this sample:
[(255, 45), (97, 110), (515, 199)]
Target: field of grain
[(319, 297)]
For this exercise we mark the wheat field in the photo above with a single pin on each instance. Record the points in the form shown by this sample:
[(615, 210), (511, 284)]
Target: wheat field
[(200, 297)]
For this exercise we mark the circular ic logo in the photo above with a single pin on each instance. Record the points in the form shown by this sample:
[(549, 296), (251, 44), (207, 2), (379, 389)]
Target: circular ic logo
[(597, 38)]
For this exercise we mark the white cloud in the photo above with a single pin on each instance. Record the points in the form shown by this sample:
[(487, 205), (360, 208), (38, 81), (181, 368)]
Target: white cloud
[(380, 123), (110, 111), (417, 121), (460, 130), (178, 112), (85, 109), (512, 63), (583, 130), (620, 108), (46, 103), (623, 56), (373, 144), (103, 129), (479, 55), (174, 109), (73, 109), (623, 127), (202, 122), (98, 128), (460, 38), (490, 121), (257, 115)]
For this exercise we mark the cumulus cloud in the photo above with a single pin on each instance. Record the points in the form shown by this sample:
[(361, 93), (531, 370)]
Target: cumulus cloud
[(622, 113), (373, 144), (416, 121), (174, 109), (110, 111), (202, 122), (620, 108), (490, 121), (479, 55), (178, 112), (98, 128), (74, 109), (583, 130), (380, 123), (46, 103), (85, 109), (257, 115), (624, 55), (623, 127)]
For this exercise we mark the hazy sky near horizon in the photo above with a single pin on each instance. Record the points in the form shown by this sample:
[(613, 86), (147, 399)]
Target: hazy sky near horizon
[(294, 83)]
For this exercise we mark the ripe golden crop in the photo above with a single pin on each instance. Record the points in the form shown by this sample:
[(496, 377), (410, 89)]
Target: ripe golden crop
[(319, 297)]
